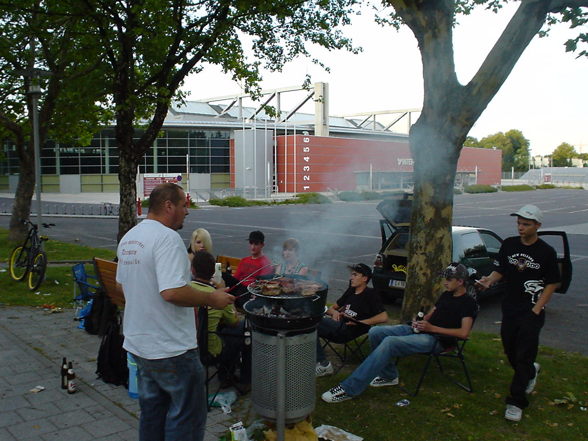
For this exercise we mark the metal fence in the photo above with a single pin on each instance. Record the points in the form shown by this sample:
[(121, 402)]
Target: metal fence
[(66, 209)]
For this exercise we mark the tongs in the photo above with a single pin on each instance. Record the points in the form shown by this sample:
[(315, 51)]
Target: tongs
[(245, 278)]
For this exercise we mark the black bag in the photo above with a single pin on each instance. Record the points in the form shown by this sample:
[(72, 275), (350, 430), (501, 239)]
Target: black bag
[(112, 358), (102, 313)]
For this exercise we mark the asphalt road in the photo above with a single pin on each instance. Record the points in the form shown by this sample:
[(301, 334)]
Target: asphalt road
[(335, 235)]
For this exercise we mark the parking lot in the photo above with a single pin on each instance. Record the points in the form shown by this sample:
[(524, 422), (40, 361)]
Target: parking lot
[(335, 235)]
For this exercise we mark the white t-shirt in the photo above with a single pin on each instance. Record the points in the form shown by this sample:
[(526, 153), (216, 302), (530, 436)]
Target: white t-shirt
[(151, 259)]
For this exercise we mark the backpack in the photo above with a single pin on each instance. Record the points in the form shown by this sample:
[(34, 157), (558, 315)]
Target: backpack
[(102, 312), (112, 358)]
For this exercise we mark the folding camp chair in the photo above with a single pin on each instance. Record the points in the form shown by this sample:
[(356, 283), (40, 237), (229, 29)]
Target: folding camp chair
[(355, 349), (86, 290), (210, 362), (454, 352)]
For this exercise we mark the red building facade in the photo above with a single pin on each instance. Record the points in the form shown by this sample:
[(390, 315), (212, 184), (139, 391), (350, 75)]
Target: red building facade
[(310, 163)]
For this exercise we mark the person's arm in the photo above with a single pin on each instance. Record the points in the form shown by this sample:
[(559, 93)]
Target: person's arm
[(462, 332), (430, 313), (334, 313), (303, 271), (189, 296), (545, 297), (486, 282), (382, 317)]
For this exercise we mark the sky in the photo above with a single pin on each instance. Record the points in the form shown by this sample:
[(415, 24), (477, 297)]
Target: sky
[(545, 96)]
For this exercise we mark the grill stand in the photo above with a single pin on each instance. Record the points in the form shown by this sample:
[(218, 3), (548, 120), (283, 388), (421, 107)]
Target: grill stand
[(281, 387), (295, 396)]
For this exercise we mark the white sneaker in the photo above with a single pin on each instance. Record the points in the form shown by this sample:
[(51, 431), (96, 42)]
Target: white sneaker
[(321, 370), (513, 413), (533, 381), (381, 382), (335, 395)]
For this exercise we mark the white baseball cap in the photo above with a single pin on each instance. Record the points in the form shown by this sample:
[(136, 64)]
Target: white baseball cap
[(530, 212)]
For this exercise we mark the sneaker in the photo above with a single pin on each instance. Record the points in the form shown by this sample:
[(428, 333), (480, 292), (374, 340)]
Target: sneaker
[(533, 381), (513, 413), (321, 370), (381, 382), (336, 395)]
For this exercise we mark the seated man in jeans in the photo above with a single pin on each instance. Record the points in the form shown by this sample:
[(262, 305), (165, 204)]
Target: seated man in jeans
[(351, 316), (452, 316)]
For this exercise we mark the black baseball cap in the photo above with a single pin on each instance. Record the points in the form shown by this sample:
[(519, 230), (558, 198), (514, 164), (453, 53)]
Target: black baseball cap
[(256, 237), (361, 268)]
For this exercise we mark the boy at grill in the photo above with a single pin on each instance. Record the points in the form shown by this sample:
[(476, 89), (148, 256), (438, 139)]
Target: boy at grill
[(351, 316)]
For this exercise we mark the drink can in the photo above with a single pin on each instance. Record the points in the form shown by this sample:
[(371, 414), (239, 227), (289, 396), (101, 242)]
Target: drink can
[(403, 403)]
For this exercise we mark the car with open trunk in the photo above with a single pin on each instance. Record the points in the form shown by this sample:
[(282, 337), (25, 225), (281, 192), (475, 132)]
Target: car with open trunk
[(477, 248)]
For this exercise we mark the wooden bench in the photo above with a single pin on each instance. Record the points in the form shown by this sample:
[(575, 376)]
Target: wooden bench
[(233, 262), (106, 273)]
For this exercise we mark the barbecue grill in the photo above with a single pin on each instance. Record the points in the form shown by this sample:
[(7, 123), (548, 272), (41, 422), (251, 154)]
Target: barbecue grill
[(284, 355)]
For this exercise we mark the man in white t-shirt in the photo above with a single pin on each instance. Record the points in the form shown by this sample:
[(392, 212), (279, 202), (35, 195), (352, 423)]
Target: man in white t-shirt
[(158, 325)]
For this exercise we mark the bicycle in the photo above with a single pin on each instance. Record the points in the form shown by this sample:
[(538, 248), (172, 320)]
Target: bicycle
[(29, 259)]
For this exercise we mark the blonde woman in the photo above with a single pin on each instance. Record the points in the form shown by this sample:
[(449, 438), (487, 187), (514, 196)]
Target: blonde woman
[(200, 241)]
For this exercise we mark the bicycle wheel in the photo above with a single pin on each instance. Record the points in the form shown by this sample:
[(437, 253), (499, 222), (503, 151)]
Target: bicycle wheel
[(37, 272), (18, 263)]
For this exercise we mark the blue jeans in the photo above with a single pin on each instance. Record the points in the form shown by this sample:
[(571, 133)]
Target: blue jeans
[(335, 331), (388, 342), (172, 398)]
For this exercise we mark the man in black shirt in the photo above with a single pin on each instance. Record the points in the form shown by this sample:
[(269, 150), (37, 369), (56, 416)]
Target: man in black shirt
[(351, 316), (529, 266), (452, 316)]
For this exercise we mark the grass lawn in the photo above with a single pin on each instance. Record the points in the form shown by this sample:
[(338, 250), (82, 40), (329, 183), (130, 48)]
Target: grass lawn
[(441, 411), (57, 289)]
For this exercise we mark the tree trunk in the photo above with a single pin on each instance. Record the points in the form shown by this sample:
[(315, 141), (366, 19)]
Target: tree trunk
[(24, 193), (435, 163), (127, 175)]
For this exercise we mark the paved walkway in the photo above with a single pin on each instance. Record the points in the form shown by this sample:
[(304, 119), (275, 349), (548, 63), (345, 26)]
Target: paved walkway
[(32, 344)]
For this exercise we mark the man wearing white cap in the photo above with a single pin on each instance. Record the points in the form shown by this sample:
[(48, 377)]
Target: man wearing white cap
[(529, 267)]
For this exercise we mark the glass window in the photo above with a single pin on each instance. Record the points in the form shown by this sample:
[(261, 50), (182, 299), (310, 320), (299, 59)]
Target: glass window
[(492, 243), (472, 245)]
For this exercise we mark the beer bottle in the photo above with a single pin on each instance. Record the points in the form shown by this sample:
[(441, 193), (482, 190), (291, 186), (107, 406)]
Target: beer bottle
[(420, 315), (71, 379), (64, 373)]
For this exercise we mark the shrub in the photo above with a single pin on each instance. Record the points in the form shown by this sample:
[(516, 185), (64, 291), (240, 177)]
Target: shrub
[(313, 198), (479, 188), (521, 187), (545, 187), (457, 190), (371, 195), (349, 196), (231, 201)]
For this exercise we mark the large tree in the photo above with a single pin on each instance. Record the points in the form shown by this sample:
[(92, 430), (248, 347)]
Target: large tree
[(563, 154), (148, 47), (449, 111), (514, 146), (39, 36)]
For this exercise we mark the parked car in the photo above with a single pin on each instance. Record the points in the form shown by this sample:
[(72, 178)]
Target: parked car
[(477, 248)]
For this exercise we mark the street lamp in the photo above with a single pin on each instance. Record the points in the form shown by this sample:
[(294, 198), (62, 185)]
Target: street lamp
[(35, 92)]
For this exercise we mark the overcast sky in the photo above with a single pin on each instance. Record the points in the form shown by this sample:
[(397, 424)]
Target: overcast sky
[(546, 95)]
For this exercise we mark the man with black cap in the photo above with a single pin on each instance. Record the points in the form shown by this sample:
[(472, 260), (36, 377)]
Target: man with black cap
[(529, 266), (351, 316), (452, 317)]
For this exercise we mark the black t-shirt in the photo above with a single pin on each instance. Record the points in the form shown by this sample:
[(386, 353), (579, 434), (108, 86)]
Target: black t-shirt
[(527, 269), (449, 312), (360, 306)]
